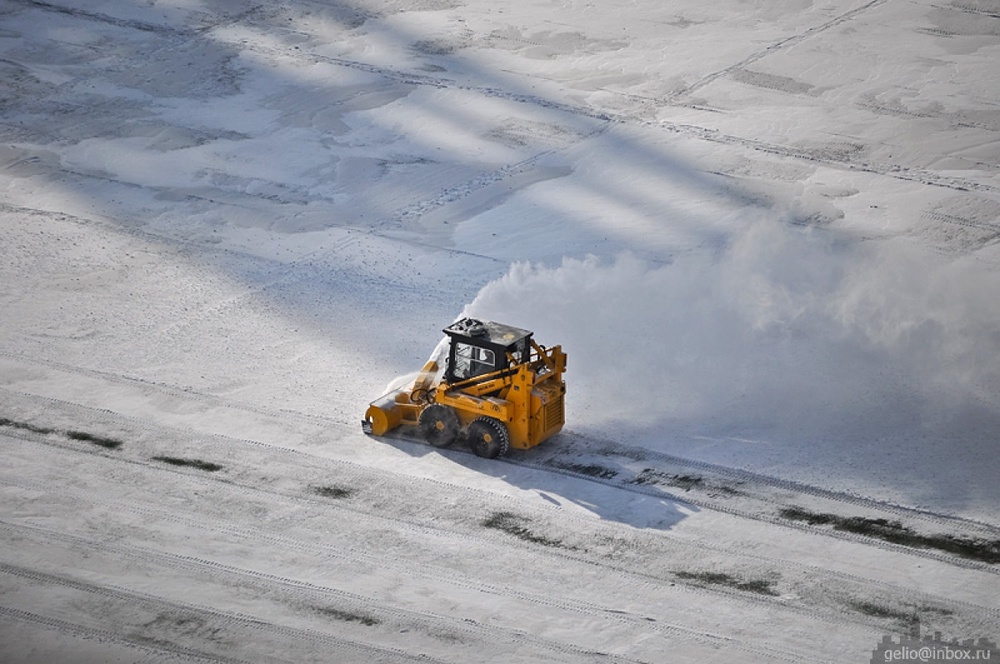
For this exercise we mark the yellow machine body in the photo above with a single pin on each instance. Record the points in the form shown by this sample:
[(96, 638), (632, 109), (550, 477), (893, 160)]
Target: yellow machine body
[(499, 389)]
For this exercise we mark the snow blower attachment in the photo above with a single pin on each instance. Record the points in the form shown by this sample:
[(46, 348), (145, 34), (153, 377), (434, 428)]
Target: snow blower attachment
[(499, 389)]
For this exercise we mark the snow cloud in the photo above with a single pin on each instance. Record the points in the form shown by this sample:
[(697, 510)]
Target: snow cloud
[(783, 331)]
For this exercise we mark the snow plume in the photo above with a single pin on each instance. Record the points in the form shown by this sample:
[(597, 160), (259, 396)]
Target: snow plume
[(783, 332)]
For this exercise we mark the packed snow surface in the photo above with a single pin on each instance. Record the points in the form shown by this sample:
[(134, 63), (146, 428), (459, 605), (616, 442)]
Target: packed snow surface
[(767, 235)]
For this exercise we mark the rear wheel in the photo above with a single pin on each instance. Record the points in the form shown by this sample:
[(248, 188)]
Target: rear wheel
[(488, 437), (439, 425)]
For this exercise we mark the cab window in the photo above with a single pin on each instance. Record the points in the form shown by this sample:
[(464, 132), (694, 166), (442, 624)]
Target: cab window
[(472, 361)]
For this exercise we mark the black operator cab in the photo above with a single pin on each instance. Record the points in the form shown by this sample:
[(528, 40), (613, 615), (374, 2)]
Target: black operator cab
[(480, 347)]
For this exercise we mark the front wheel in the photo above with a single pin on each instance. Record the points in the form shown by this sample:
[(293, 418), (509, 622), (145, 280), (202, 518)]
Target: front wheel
[(439, 425), (488, 437)]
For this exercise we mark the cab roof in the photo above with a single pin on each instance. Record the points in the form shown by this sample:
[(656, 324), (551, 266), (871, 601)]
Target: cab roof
[(486, 332)]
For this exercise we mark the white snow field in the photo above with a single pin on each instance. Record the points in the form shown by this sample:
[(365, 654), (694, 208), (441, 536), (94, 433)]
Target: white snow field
[(765, 232)]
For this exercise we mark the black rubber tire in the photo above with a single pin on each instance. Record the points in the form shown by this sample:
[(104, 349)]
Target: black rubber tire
[(488, 437), (439, 425)]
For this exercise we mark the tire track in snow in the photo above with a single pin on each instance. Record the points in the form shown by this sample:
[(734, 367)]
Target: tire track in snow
[(767, 517), (714, 505), (136, 24), (547, 465), (643, 576), (245, 623), (550, 465), (286, 590), (410, 214), (982, 225), (446, 576), (958, 6), (917, 175), (418, 487), (108, 636), (131, 24), (741, 477), (777, 46)]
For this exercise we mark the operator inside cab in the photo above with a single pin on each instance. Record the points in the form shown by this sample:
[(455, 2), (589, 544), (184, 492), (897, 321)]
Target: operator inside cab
[(471, 361)]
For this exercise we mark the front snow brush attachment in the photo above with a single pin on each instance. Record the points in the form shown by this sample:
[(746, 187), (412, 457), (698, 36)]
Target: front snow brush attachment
[(499, 389)]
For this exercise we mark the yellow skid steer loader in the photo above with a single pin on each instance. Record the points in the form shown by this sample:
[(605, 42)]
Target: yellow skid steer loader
[(499, 389)]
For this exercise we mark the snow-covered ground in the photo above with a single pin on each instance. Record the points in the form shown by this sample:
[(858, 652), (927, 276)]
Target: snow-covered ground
[(767, 234)]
